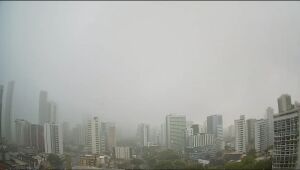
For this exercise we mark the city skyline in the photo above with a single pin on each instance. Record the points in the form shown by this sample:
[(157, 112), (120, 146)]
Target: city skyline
[(180, 66)]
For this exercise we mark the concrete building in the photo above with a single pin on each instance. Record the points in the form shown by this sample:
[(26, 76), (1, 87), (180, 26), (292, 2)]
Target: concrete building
[(93, 135), (66, 131), (251, 134), (163, 134), (121, 152), (241, 137), (1, 104), (215, 126), (53, 138), (260, 135), (37, 137), (286, 135), (284, 103), (201, 139), (8, 134), (43, 107), (175, 126), (143, 135), (22, 132), (196, 129), (52, 112), (270, 126), (108, 136)]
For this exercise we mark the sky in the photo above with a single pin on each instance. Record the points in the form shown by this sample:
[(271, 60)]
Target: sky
[(134, 62)]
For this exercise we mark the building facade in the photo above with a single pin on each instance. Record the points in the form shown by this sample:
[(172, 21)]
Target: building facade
[(175, 127), (241, 137), (121, 152), (261, 135), (143, 135), (215, 126), (8, 112), (22, 132), (93, 135), (251, 133), (53, 138), (37, 137)]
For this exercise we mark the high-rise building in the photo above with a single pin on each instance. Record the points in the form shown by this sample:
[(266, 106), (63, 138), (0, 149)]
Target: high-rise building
[(270, 126), (52, 112), (22, 132), (53, 138), (284, 103), (260, 135), (43, 108), (251, 134), (108, 136), (201, 139), (78, 135), (8, 111), (37, 137), (1, 102), (66, 133), (93, 135), (195, 128), (286, 136), (215, 126), (163, 134), (143, 135), (175, 126), (241, 137)]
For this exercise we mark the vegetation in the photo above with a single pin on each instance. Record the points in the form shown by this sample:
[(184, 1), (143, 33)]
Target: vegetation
[(54, 161)]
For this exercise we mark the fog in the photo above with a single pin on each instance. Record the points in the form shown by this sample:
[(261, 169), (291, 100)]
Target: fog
[(133, 62)]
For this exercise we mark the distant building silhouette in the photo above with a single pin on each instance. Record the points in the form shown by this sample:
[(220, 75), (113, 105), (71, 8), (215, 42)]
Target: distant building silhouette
[(1, 104), (241, 137), (8, 112), (175, 127), (215, 126)]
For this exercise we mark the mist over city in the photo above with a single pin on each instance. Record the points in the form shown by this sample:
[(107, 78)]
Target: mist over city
[(149, 85)]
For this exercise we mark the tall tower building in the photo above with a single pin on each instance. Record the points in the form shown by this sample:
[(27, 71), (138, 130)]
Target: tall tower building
[(270, 126), (251, 133), (8, 111), (43, 108), (52, 115), (163, 134), (284, 103), (22, 132), (286, 137), (241, 137), (175, 128), (261, 135), (195, 128), (93, 135), (215, 126), (1, 102), (143, 135), (53, 138)]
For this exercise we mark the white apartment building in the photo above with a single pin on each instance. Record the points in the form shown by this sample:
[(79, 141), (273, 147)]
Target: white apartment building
[(240, 134), (260, 132), (93, 135), (53, 139), (143, 135), (201, 139), (122, 152)]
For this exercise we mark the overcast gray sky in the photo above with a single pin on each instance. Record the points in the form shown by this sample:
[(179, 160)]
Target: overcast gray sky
[(138, 61)]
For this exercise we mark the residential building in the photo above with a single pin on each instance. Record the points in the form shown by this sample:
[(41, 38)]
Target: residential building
[(22, 132), (241, 137), (175, 126), (260, 135), (108, 136), (143, 135), (215, 126), (286, 136), (251, 134), (43, 107), (93, 135), (284, 103), (122, 152), (195, 128), (53, 138), (270, 126), (37, 137), (163, 134)]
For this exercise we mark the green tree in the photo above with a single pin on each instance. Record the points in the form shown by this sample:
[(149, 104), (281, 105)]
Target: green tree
[(55, 161), (164, 164)]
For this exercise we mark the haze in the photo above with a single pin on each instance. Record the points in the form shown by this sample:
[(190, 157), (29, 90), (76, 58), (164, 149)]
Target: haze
[(134, 62)]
